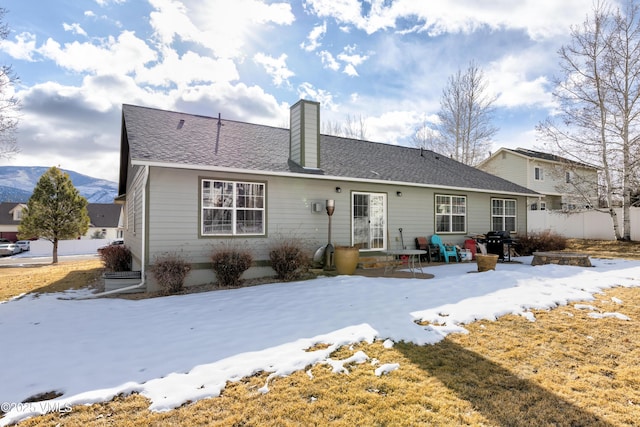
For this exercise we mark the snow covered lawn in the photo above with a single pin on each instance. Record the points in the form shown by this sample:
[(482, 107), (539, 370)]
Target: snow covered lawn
[(180, 348)]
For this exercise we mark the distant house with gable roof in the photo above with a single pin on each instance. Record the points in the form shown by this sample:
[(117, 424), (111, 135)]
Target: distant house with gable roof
[(105, 220), (562, 184)]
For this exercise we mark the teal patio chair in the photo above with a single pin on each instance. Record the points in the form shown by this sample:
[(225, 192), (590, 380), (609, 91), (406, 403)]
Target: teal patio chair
[(446, 251)]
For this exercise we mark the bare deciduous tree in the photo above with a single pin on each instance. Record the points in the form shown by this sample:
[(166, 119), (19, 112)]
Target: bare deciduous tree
[(9, 104), (466, 112), (353, 127), (426, 136), (598, 97)]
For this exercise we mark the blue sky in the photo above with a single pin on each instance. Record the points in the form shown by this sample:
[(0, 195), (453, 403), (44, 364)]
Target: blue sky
[(386, 61)]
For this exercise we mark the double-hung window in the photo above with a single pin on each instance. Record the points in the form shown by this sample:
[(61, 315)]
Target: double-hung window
[(232, 208), (451, 214), (503, 215), (538, 174)]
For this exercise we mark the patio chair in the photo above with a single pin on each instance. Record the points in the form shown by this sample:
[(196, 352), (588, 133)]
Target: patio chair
[(433, 251), (446, 251)]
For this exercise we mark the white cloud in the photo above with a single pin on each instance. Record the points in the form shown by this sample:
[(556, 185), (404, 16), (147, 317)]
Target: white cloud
[(510, 79), (186, 69), (23, 48), (350, 70), (314, 38), (392, 127), (123, 55), (75, 28), (219, 25), (325, 98), (103, 3), (538, 18), (275, 67), (352, 59), (328, 61)]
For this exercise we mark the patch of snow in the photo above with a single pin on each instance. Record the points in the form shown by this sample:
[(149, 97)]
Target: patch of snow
[(386, 368), (187, 347)]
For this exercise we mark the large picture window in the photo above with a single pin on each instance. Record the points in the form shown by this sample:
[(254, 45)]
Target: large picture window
[(451, 214), (232, 208), (503, 215)]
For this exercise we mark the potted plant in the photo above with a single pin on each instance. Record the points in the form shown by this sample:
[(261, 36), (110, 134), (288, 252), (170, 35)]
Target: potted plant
[(486, 262), (346, 259)]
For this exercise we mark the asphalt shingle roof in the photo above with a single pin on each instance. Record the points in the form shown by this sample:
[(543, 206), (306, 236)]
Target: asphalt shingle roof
[(548, 156), (156, 136), (105, 215)]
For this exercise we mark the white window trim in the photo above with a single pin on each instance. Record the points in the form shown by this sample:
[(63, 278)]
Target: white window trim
[(504, 215), (233, 208), (538, 173), (385, 242), (450, 214)]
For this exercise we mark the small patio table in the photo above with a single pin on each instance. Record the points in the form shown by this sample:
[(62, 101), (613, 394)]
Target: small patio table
[(412, 254)]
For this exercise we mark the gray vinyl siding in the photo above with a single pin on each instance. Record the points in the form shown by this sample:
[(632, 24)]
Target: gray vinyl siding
[(512, 167), (296, 136), (133, 211), (174, 215), (304, 134), (550, 182)]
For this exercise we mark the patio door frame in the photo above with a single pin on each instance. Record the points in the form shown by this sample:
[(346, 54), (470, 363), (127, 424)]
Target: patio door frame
[(378, 223)]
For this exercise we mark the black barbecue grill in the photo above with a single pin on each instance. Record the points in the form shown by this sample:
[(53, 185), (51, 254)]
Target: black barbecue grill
[(496, 241)]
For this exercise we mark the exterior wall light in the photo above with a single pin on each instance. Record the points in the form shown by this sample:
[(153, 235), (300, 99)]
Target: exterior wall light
[(399, 193), (338, 190)]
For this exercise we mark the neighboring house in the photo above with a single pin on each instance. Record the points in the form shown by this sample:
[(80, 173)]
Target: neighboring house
[(105, 220), (10, 216), (192, 183), (564, 184)]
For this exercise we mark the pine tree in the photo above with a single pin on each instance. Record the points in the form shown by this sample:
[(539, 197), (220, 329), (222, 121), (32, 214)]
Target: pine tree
[(56, 211)]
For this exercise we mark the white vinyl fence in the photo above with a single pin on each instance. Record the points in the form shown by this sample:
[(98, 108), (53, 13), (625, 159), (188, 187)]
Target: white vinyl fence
[(66, 247), (582, 225)]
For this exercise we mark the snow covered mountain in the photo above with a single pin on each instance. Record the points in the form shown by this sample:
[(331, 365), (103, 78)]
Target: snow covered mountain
[(17, 184)]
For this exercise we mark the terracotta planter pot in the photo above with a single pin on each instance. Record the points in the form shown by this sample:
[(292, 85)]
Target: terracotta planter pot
[(486, 262), (346, 259)]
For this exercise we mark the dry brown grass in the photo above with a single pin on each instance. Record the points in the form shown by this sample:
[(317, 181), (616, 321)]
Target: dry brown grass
[(43, 278), (605, 248), (565, 369)]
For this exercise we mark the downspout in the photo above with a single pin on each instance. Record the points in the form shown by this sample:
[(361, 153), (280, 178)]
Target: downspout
[(143, 251), (143, 226)]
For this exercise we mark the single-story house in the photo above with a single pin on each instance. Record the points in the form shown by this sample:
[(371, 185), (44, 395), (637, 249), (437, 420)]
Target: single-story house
[(105, 220), (562, 184), (192, 183)]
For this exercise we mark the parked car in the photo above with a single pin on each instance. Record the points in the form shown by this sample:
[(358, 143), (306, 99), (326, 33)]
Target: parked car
[(25, 245), (114, 242), (3, 240), (9, 249)]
